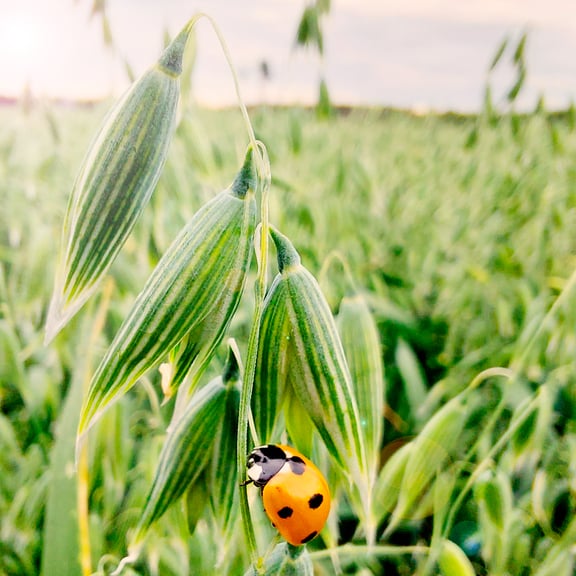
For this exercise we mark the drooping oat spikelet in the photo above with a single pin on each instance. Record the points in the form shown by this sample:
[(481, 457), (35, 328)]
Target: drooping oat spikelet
[(115, 182), (186, 451), (272, 364), (430, 453), (389, 482), (361, 342), (222, 476), (193, 291), (302, 340)]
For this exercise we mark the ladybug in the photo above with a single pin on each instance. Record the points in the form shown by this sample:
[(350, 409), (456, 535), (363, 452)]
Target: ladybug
[(295, 494)]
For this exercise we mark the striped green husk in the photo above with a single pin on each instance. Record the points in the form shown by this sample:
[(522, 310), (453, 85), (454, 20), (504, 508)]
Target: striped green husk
[(361, 342), (197, 347), (298, 424), (318, 372), (115, 182), (185, 453), (205, 266), (272, 363), (223, 473), (321, 378)]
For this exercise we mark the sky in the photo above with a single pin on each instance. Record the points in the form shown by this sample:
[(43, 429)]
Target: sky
[(418, 54)]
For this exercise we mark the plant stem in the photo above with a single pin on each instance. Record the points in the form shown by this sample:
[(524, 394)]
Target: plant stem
[(352, 550), (261, 156), (264, 178), (82, 462), (249, 373)]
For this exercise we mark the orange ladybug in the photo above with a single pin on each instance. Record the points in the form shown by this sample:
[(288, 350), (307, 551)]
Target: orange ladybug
[(295, 494)]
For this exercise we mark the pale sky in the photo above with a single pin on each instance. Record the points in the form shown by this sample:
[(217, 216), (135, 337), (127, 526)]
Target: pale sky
[(406, 53)]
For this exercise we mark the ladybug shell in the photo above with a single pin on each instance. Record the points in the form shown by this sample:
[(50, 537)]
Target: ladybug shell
[(297, 499)]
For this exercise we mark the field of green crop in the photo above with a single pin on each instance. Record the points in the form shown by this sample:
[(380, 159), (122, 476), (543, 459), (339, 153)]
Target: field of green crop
[(456, 234)]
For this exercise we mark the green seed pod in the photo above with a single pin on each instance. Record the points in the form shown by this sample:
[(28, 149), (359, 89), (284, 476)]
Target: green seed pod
[(115, 182), (436, 499), (529, 439), (491, 520), (361, 342), (193, 291), (222, 471), (389, 481), (298, 424), (494, 495), (272, 362), (315, 367), (413, 377), (185, 453), (196, 497), (452, 560), (432, 448)]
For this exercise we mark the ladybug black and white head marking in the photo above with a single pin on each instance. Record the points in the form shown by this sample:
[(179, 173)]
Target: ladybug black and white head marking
[(264, 462)]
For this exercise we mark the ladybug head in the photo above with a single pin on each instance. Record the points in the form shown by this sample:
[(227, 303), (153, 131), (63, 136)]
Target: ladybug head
[(265, 462)]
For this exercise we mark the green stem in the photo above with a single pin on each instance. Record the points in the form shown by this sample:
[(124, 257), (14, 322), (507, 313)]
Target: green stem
[(264, 178), (363, 551), (83, 478), (337, 257), (261, 158), (262, 234)]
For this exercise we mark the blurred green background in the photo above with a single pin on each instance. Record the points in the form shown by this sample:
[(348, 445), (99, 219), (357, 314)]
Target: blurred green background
[(460, 231)]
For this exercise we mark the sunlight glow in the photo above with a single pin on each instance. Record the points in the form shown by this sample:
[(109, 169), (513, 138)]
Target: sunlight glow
[(19, 38), (20, 45)]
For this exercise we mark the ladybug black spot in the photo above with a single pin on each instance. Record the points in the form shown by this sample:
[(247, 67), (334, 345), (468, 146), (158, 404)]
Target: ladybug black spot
[(273, 452), (315, 501), (285, 512), (297, 465), (309, 537)]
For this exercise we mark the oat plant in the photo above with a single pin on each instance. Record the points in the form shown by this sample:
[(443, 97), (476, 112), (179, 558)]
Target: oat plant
[(181, 316), (461, 471)]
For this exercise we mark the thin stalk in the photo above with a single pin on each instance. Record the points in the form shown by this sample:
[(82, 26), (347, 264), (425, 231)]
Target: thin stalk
[(264, 178), (261, 158), (337, 257), (249, 373), (83, 474), (362, 551)]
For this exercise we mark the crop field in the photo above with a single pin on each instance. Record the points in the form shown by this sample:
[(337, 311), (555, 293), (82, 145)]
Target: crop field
[(445, 247)]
